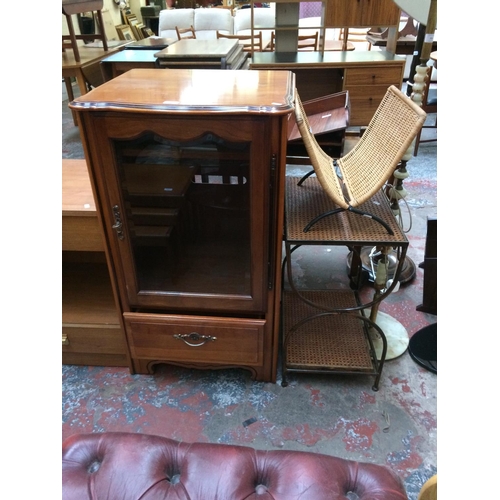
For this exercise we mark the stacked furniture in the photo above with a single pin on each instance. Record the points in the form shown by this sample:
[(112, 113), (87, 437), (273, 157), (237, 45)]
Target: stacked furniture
[(203, 54)]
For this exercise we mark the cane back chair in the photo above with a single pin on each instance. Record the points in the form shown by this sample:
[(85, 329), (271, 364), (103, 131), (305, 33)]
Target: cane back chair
[(356, 177)]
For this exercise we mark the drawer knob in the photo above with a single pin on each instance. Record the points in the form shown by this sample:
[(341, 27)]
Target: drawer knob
[(65, 339), (190, 338)]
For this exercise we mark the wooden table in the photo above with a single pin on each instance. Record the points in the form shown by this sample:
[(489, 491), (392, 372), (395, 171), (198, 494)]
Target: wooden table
[(122, 61), (405, 45), (86, 70), (222, 53), (151, 43)]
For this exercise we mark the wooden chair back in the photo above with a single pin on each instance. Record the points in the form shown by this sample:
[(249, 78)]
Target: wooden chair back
[(185, 33), (357, 36), (429, 105), (249, 44), (304, 42)]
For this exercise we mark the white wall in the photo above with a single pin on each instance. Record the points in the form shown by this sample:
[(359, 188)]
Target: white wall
[(111, 17)]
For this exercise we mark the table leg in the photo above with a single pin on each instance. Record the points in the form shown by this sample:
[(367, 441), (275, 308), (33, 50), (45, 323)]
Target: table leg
[(82, 81), (69, 88), (101, 29)]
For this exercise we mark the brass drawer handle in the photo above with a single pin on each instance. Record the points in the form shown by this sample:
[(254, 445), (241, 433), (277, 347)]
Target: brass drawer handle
[(65, 339), (189, 338)]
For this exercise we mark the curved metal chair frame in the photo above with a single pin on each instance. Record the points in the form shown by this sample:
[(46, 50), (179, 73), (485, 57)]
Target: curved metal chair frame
[(356, 177)]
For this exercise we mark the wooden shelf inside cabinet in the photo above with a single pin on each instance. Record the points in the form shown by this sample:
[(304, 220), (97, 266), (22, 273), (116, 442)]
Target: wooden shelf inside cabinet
[(91, 331)]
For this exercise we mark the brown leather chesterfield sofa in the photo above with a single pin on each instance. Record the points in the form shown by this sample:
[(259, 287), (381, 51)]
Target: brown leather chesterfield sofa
[(123, 466)]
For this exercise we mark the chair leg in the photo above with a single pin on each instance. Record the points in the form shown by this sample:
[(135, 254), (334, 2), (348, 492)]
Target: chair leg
[(100, 23), (72, 35), (417, 142)]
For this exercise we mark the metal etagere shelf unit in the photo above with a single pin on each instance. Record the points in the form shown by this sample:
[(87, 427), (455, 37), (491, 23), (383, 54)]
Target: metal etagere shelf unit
[(331, 331)]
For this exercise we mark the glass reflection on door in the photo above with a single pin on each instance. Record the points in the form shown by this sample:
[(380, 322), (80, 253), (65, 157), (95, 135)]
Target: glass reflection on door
[(187, 211)]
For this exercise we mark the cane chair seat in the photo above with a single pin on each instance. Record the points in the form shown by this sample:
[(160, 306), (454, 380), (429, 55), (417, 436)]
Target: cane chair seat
[(356, 177)]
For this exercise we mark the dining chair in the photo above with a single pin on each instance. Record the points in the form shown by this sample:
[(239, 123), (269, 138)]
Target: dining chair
[(249, 44), (356, 36), (304, 42), (70, 8), (185, 33), (429, 105), (361, 173)]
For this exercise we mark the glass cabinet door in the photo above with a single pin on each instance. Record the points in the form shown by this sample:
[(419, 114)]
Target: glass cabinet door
[(189, 212)]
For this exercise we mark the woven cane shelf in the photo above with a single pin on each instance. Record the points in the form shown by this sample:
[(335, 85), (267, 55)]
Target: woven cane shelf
[(305, 202), (326, 331), (335, 342)]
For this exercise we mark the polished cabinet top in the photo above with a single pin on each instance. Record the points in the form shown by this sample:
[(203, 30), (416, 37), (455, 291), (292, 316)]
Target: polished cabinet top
[(194, 91)]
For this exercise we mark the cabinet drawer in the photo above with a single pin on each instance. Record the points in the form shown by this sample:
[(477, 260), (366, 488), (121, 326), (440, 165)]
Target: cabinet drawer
[(106, 339), (93, 346), (364, 103), (375, 75), (213, 340)]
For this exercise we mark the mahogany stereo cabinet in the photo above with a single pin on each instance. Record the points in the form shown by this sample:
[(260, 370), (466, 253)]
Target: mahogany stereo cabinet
[(188, 171)]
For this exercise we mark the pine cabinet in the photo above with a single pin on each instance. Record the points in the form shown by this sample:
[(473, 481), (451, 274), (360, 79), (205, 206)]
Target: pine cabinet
[(188, 170)]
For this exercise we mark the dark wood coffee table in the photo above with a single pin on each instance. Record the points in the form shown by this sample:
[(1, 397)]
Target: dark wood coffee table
[(119, 63), (151, 43), (203, 54)]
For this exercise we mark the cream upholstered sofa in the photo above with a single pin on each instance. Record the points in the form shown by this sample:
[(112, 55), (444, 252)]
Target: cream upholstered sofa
[(207, 21)]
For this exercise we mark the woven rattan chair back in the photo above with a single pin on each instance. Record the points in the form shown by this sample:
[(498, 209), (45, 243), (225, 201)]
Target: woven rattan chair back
[(356, 177)]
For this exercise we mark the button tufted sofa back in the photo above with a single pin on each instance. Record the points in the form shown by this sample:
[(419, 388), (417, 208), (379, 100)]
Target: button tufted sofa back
[(123, 466)]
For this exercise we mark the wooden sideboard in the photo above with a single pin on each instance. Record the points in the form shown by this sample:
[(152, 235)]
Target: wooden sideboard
[(188, 170), (91, 330), (365, 74)]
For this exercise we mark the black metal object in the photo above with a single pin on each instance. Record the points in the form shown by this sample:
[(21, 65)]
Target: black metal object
[(423, 347)]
